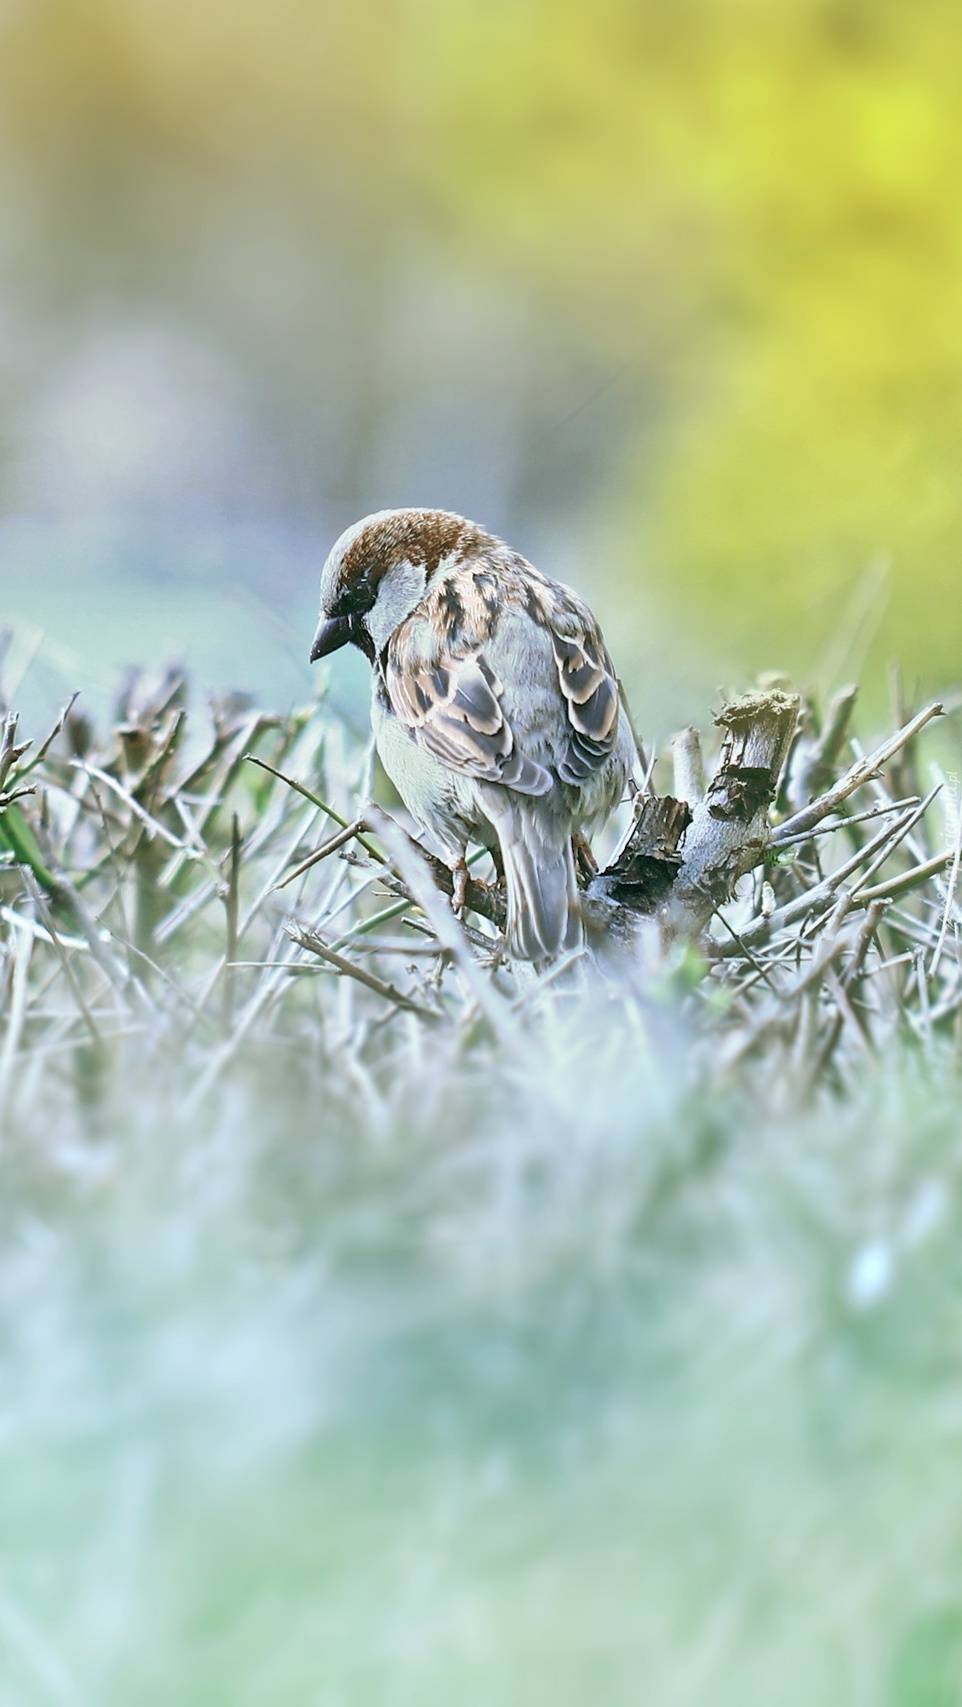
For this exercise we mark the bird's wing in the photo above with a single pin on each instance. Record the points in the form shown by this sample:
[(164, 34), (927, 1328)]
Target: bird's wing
[(586, 677), (441, 674), (452, 707)]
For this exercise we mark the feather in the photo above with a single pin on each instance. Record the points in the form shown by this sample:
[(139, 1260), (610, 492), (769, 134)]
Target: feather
[(544, 910), (452, 706)]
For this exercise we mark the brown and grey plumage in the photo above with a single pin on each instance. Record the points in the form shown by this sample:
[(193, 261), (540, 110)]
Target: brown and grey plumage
[(495, 707)]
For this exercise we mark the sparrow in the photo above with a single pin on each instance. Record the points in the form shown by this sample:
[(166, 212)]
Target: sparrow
[(495, 707)]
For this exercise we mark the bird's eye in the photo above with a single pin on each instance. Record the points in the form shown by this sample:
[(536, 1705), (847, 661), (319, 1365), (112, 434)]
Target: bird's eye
[(357, 598)]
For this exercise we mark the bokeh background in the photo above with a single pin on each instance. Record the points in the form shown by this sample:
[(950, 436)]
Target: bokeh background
[(668, 294), (435, 1377)]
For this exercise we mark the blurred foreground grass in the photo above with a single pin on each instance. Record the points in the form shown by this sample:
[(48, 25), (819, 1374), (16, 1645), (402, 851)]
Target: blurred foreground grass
[(345, 1358), (587, 1390)]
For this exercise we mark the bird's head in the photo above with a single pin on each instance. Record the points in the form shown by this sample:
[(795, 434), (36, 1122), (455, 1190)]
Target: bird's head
[(379, 570)]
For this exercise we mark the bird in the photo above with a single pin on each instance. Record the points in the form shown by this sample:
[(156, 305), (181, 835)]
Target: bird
[(495, 707)]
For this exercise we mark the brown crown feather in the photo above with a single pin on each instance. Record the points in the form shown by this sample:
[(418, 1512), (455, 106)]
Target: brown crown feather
[(411, 536)]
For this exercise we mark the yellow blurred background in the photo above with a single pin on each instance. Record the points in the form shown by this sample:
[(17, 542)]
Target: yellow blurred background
[(669, 294)]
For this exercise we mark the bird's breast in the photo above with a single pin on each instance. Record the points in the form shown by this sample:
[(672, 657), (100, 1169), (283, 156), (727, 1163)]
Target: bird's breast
[(444, 802)]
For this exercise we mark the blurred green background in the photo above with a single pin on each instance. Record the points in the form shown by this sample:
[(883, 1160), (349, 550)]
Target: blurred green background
[(668, 294), (559, 1385)]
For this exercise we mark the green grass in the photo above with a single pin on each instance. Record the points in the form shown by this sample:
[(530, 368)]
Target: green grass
[(554, 1398), (349, 1359)]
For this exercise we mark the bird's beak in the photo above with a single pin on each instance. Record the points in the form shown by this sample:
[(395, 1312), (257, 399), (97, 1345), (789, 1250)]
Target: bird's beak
[(332, 632)]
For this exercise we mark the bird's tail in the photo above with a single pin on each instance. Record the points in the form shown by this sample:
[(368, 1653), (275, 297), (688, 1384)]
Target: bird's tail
[(544, 908)]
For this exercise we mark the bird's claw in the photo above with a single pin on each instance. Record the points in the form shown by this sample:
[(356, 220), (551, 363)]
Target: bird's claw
[(585, 860), (459, 891)]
